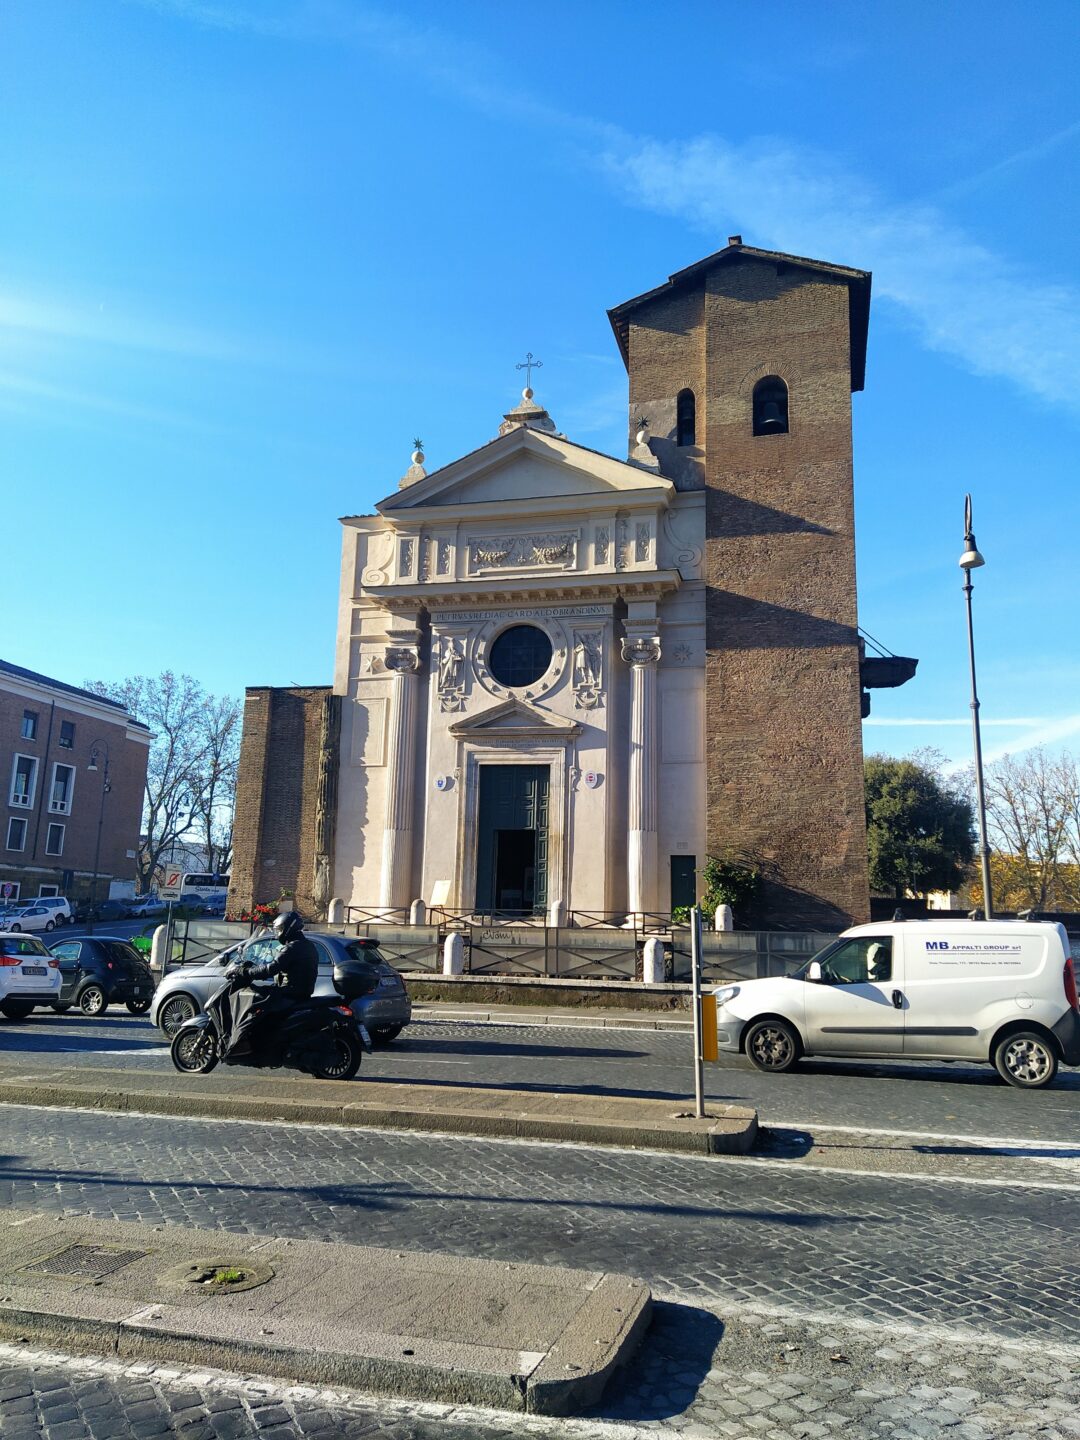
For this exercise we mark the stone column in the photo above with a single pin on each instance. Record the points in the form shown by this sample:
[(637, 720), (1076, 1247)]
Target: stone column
[(395, 888), (641, 651)]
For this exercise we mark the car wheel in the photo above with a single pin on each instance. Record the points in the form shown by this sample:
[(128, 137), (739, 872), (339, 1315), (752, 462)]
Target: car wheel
[(1026, 1059), (17, 1009), (15, 928), (772, 1045), (346, 1061), (138, 1007), (174, 1013), (50, 924), (92, 1000), (383, 1034)]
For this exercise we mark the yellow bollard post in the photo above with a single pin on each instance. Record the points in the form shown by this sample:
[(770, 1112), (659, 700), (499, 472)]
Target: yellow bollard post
[(709, 1047)]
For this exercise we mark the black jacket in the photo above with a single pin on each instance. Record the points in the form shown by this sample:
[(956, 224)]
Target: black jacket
[(295, 967)]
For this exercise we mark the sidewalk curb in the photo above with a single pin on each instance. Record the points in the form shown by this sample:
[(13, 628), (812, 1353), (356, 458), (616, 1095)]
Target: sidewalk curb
[(526, 1338), (624, 1123), (584, 1019)]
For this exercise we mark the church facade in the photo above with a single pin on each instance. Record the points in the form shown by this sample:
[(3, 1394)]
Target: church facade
[(564, 679)]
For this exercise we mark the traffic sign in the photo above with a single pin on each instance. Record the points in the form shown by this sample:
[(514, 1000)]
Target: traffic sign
[(171, 884)]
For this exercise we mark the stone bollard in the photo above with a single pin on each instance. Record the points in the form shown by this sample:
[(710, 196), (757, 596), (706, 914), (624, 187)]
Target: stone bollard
[(335, 914), (557, 914), (652, 962), (724, 918), (418, 913), (159, 955), (453, 954)]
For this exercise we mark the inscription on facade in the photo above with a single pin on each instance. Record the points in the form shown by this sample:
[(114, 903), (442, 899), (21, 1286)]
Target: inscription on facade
[(519, 552), (530, 612)]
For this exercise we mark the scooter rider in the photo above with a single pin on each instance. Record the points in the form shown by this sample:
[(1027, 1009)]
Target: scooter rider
[(295, 968)]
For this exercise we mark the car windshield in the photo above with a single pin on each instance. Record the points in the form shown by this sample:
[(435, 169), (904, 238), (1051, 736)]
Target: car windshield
[(820, 957), (368, 953), (22, 945)]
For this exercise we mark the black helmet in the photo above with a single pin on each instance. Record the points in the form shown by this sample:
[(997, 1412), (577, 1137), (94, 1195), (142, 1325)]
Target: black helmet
[(287, 925)]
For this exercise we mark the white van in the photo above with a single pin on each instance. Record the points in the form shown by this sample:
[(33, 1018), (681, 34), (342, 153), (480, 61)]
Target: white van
[(998, 991)]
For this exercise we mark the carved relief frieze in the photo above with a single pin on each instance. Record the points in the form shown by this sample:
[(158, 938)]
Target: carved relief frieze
[(379, 557), (601, 541), (622, 540), (642, 548), (523, 552), (442, 561), (405, 557)]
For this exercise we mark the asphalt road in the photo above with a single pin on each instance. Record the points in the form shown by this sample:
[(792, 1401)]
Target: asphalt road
[(919, 1097)]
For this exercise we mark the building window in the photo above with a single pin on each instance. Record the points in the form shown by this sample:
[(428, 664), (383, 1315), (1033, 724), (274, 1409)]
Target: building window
[(770, 406), (520, 656), (685, 418), (54, 842), (23, 781), (29, 725), (67, 734), (16, 833), (45, 890), (63, 787)]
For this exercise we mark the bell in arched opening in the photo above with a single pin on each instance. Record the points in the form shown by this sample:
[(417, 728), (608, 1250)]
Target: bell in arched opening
[(770, 406), (685, 418)]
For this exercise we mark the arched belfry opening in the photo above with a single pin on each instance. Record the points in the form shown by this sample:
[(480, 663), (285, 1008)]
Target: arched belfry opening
[(770, 406), (685, 418)]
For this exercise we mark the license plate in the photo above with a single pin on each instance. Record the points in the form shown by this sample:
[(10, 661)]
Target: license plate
[(34, 970)]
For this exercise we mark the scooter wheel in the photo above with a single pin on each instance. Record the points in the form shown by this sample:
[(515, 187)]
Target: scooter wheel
[(346, 1061), (194, 1052)]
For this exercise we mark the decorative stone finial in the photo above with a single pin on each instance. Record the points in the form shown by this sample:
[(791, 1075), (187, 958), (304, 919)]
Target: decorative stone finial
[(641, 454), (416, 470)]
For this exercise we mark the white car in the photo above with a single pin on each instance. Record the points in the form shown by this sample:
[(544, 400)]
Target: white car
[(31, 917), (60, 907), (998, 991), (29, 975)]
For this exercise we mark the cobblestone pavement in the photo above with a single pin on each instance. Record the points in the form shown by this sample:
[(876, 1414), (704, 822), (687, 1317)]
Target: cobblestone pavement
[(950, 1099), (702, 1376), (863, 1246)]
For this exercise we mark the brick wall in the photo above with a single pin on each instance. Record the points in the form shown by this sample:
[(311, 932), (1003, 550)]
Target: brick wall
[(782, 676), (276, 792)]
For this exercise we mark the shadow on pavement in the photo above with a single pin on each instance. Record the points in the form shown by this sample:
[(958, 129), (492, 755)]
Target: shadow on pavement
[(663, 1379), (410, 1045), (378, 1196)]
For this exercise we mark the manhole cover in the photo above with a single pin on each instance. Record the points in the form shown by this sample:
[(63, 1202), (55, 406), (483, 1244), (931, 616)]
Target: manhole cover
[(85, 1262)]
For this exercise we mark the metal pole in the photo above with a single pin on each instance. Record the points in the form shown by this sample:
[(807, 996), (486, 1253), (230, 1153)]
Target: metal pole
[(984, 848), (97, 855), (695, 976)]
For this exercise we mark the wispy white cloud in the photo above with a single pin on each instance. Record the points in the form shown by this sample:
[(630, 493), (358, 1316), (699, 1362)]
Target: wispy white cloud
[(992, 315), (1049, 732), (996, 318), (953, 720)]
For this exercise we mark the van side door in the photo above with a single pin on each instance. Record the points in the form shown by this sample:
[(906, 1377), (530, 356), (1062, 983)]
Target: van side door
[(853, 1009)]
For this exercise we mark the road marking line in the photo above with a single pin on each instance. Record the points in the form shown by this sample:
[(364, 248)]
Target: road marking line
[(793, 1168), (919, 1134)]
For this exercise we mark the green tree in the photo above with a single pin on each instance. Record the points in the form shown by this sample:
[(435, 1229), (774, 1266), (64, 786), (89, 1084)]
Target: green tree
[(919, 826)]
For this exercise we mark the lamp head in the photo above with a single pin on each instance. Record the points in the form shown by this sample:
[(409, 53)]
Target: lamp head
[(93, 761), (970, 559)]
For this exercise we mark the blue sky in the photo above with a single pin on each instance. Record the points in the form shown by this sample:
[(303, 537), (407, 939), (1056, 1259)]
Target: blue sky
[(250, 248)]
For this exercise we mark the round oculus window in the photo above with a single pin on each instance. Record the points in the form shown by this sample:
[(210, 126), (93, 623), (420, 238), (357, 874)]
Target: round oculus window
[(519, 656)]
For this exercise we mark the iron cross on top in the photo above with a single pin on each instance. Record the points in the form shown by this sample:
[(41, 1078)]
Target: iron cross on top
[(529, 365)]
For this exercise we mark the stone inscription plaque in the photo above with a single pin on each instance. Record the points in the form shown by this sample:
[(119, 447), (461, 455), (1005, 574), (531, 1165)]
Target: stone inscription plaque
[(533, 612)]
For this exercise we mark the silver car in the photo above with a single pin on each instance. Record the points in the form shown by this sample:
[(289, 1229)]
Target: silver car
[(386, 1011)]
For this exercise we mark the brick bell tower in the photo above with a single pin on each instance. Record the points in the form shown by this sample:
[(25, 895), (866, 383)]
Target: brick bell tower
[(744, 365)]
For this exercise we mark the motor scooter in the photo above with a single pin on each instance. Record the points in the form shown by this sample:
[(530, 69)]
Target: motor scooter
[(320, 1036)]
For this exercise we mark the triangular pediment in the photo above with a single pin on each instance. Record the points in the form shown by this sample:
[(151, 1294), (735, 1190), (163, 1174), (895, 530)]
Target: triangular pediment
[(527, 465), (516, 717)]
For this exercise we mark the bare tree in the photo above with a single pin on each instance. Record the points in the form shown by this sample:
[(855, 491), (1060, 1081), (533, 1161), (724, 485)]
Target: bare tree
[(1033, 814), (190, 776), (214, 790)]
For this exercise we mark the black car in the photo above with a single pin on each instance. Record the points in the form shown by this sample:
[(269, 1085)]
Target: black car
[(103, 910), (102, 970)]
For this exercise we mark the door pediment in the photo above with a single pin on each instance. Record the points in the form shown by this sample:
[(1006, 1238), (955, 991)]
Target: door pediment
[(515, 718)]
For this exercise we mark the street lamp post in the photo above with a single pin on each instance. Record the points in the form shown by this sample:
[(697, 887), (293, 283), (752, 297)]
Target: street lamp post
[(95, 750), (972, 560)]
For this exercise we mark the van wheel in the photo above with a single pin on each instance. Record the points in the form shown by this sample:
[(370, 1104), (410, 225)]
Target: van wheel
[(17, 1009), (1026, 1059), (772, 1045)]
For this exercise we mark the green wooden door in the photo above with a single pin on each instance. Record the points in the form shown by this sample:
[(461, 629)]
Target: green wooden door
[(512, 838)]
